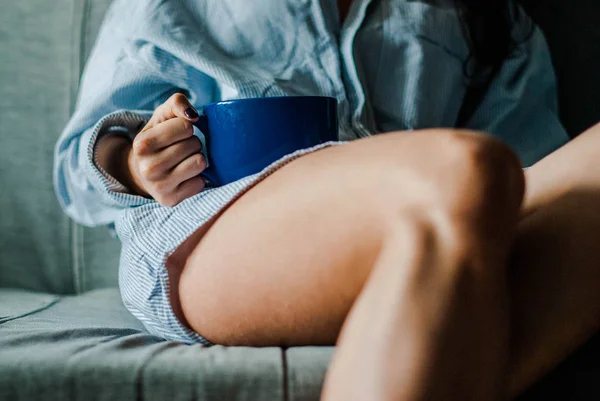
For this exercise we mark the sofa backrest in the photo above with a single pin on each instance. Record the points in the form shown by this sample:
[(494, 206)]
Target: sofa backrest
[(43, 48)]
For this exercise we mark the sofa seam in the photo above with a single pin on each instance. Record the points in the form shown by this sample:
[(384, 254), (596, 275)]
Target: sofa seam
[(75, 257), (285, 374), (83, 37), (42, 306), (140, 384), (80, 18), (72, 88)]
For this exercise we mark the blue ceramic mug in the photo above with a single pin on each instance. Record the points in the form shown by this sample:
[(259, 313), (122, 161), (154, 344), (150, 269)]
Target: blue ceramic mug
[(245, 136)]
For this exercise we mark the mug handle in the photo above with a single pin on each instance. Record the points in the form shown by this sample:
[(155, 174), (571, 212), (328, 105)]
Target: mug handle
[(209, 174)]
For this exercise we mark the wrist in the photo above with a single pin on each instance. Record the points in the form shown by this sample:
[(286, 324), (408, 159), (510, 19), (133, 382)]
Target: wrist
[(112, 155), (129, 173)]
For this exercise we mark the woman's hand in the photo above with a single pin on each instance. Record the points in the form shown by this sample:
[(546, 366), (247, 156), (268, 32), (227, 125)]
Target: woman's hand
[(165, 160)]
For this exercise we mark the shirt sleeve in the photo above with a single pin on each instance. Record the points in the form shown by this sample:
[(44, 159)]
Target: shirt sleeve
[(125, 79), (521, 105)]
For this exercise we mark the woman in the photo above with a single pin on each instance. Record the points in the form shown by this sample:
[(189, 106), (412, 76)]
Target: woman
[(440, 215)]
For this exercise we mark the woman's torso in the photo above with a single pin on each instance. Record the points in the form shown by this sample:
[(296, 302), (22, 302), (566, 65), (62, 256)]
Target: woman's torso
[(383, 63), (392, 64)]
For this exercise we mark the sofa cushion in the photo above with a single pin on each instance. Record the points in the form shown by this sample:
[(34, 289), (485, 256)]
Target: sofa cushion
[(306, 368), (89, 347), (98, 250), (15, 304), (35, 93), (43, 46)]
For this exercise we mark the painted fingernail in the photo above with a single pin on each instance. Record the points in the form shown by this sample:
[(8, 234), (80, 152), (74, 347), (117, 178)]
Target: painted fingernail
[(191, 113)]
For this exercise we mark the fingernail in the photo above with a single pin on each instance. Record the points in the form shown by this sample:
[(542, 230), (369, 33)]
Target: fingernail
[(191, 113)]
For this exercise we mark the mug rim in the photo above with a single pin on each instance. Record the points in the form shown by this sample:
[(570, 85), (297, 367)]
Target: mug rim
[(267, 99)]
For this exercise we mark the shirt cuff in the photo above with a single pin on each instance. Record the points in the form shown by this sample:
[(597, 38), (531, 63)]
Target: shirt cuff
[(124, 123)]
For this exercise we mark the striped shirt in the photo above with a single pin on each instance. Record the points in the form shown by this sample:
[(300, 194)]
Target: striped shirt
[(392, 65)]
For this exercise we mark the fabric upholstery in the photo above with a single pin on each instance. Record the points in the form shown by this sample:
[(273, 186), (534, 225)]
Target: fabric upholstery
[(99, 251), (44, 46), (15, 304), (88, 347), (36, 66), (305, 368)]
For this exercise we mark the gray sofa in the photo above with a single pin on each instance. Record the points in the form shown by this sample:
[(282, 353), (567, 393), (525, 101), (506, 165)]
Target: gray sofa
[(64, 333)]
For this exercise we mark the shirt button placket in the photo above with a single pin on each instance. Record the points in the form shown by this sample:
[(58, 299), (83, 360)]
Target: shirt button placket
[(356, 97)]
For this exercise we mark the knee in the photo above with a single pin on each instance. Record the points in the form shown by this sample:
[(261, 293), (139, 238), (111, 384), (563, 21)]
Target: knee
[(461, 173), (488, 173), (476, 172)]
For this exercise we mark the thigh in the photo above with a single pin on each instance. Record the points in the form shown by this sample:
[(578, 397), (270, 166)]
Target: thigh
[(292, 252), (284, 264)]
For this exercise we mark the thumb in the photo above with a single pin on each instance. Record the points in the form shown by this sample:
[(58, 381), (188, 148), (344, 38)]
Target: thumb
[(177, 106)]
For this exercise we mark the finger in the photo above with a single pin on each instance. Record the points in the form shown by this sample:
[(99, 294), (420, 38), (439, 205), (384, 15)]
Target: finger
[(162, 136), (158, 166), (189, 168), (178, 152), (177, 105), (189, 188)]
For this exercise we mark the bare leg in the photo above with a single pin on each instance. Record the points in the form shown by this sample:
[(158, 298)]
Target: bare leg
[(432, 322), (416, 330), (278, 233), (555, 282), (284, 264), (555, 273)]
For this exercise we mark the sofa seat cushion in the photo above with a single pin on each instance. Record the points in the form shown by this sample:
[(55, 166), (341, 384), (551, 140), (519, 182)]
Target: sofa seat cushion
[(16, 303), (89, 347)]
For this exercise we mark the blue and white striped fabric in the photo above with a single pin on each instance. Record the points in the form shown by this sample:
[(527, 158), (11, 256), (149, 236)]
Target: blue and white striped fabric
[(392, 65)]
